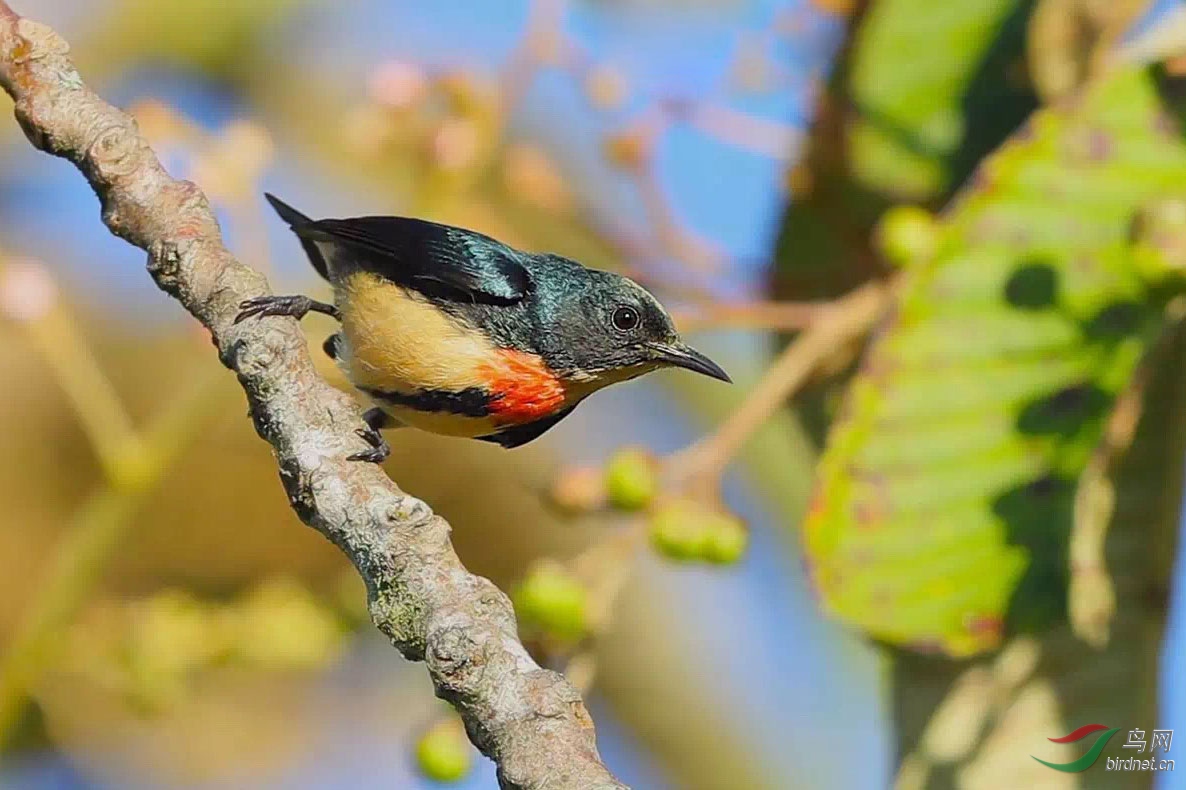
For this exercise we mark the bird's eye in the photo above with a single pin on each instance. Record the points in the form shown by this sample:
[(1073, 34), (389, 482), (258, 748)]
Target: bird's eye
[(625, 318)]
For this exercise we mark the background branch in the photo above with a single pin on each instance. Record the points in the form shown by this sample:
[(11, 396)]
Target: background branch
[(530, 721)]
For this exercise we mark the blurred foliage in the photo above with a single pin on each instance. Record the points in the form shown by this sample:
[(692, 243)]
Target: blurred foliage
[(213, 36), (1070, 41), (919, 131), (965, 723), (980, 404), (924, 92), (151, 650), (432, 143)]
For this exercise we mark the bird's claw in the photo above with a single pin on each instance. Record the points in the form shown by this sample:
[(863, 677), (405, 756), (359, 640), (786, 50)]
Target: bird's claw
[(378, 451), (260, 306)]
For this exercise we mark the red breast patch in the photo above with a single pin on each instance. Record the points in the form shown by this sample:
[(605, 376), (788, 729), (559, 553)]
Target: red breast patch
[(524, 389)]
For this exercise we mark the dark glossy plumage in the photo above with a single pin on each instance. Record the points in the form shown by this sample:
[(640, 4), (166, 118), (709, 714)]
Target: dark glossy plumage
[(432, 258), (469, 402), (518, 435)]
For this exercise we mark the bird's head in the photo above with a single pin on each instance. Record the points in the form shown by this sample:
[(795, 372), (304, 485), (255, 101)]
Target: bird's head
[(602, 327)]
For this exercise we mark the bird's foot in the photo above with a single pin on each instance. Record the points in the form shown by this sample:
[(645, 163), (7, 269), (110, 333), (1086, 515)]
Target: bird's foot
[(296, 306), (379, 449)]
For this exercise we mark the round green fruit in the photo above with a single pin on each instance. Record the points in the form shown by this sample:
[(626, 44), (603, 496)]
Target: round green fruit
[(551, 600), (631, 479), (907, 234), (442, 753)]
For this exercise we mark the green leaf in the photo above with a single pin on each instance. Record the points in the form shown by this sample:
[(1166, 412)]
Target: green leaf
[(944, 496), (924, 92), (936, 85)]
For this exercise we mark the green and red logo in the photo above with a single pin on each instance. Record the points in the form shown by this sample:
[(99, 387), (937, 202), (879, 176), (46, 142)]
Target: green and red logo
[(1093, 754)]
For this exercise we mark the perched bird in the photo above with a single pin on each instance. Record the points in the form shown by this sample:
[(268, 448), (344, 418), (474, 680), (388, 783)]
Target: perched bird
[(452, 332)]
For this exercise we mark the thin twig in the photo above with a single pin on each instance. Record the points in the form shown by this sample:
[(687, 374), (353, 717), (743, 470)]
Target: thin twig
[(544, 28), (93, 398), (772, 139), (530, 721), (605, 567), (842, 321)]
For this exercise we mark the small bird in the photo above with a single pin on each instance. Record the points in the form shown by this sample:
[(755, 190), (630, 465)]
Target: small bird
[(453, 332)]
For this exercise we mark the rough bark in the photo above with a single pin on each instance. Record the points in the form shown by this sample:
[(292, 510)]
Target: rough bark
[(530, 721)]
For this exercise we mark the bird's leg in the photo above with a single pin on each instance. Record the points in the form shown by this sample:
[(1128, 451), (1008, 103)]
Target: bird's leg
[(295, 306), (376, 420)]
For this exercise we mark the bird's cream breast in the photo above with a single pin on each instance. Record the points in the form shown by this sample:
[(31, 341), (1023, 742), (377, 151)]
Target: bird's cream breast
[(396, 340)]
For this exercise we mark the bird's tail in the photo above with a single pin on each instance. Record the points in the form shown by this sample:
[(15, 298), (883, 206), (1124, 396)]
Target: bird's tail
[(297, 221)]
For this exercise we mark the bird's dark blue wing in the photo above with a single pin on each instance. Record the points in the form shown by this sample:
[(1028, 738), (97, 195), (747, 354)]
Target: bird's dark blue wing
[(429, 257)]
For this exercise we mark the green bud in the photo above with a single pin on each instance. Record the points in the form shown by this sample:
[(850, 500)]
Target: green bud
[(725, 541), (551, 600), (631, 479), (906, 234), (443, 754), (689, 530), (677, 530)]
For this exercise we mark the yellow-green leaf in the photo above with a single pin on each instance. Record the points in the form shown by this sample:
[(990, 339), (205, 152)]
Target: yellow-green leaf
[(944, 498)]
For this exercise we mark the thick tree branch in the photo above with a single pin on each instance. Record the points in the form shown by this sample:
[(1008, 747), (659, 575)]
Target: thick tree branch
[(530, 721)]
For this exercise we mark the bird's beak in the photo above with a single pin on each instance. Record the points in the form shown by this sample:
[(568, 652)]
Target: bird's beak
[(682, 356)]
